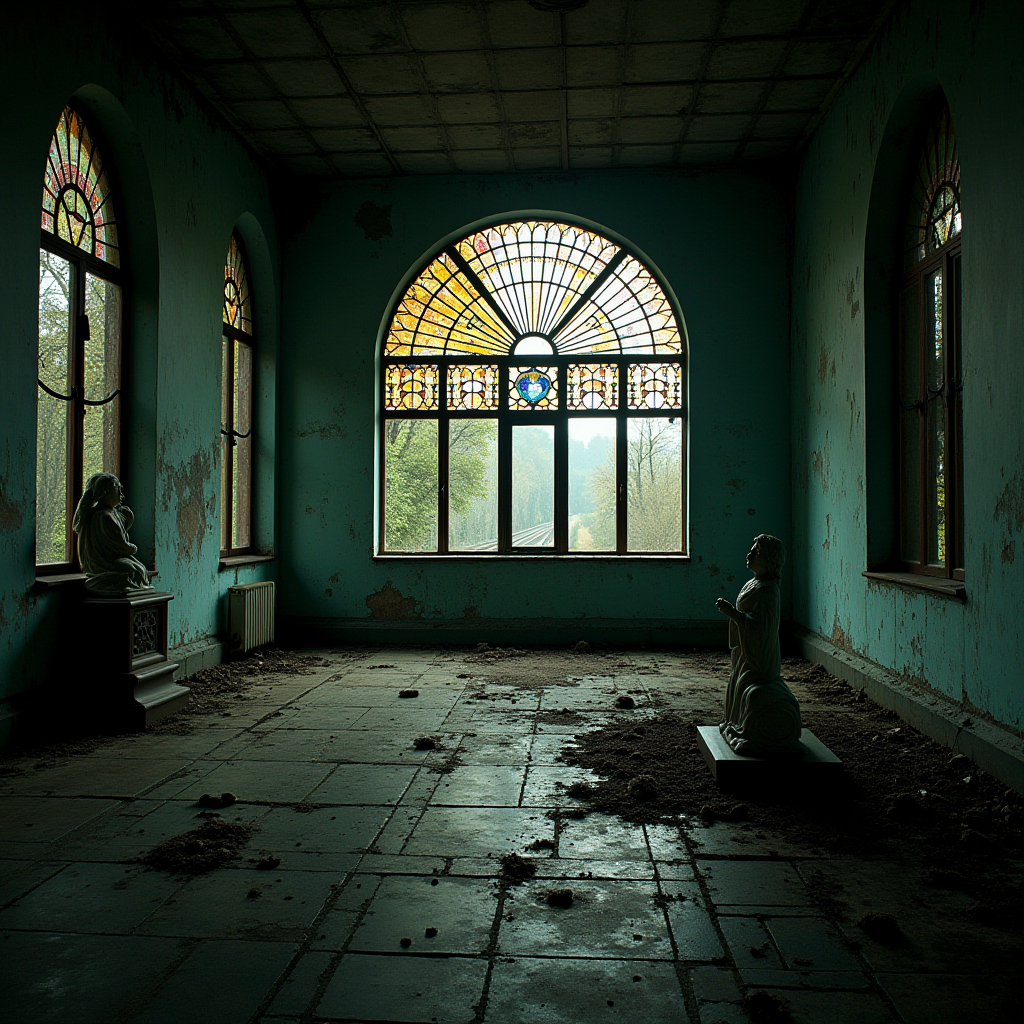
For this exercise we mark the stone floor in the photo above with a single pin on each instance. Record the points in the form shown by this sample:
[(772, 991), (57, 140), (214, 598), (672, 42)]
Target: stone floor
[(379, 842)]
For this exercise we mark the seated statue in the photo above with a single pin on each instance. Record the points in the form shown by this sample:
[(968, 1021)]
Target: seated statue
[(762, 717), (102, 524)]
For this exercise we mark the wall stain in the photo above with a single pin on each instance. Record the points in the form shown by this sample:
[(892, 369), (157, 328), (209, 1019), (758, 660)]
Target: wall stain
[(389, 603), (1010, 506), (329, 429), (1008, 553), (713, 571), (374, 220), (471, 611), (185, 489), (11, 516), (736, 483), (839, 636)]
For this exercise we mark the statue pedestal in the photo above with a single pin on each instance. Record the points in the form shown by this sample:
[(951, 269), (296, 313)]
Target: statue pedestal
[(124, 640), (816, 765)]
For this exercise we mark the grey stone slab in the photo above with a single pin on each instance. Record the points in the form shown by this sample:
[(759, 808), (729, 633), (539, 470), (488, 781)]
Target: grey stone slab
[(49, 978), (97, 776), (334, 930), (604, 836), (403, 720), (495, 750), (739, 839), (108, 898), (610, 919), (324, 829), (749, 942), (220, 905), (546, 785), (775, 978), (18, 877), (722, 1013), (666, 843), (476, 831), (398, 865), (480, 786), (250, 780), (675, 871), (300, 985), (943, 998), (816, 764), (570, 991), (460, 909), (375, 747), (809, 1007), (757, 910), (367, 987), (694, 934), (562, 867), (221, 982), (547, 748), (769, 883), (280, 744), (365, 784), (43, 819), (811, 944), (714, 984)]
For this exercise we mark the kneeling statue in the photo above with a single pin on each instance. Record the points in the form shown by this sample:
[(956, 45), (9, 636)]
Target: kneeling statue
[(102, 524), (762, 717)]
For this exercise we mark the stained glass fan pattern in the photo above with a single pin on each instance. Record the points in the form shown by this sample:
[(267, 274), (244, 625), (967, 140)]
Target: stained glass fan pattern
[(935, 216), (237, 310), (76, 193), (568, 284)]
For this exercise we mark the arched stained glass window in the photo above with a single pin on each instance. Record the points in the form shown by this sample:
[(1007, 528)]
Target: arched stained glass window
[(236, 404), (533, 391), (930, 363), (76, 194), (78, 430)]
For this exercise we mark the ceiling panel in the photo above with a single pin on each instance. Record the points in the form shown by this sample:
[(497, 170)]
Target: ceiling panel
[(380, 87)]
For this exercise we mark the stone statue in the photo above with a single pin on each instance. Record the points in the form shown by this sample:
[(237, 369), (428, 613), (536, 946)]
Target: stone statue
[(102, 524), (762, 717)]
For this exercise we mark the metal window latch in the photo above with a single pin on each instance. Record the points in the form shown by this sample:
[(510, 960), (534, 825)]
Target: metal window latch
[(55, 394), (103, 401), (235, 435)]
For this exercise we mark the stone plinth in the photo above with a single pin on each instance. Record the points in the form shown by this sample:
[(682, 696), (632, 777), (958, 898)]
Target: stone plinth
[(816, 764), (124, 645)]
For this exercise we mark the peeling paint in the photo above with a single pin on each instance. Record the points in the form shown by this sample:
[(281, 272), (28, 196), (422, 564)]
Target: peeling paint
[(713, 571), (185, 490), (326, 430), (1010, 506), (390, 603), (11, 516), (1008, 554), (736, 483), (471, 611), (374, 220)]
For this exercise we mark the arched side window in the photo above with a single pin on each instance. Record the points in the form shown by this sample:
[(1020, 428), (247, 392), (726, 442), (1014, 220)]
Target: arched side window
[(79, 368), (930, 363), (533, 400), (236, 404)]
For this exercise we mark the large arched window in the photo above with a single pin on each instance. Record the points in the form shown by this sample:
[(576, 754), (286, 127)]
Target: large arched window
[(930, 364), (79, 369), (236, 404), (533, 396)]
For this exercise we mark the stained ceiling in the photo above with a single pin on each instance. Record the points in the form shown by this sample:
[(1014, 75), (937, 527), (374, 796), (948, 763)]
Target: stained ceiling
[(354, 88)]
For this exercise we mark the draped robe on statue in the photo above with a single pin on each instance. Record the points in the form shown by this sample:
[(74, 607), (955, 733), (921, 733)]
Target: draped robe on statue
[(762, 717), (107, 554)]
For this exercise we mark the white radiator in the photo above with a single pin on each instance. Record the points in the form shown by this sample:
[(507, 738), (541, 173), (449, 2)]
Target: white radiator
[(250, 616)]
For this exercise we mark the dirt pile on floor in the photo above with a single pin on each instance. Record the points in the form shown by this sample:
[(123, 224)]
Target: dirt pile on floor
[(201, 849)]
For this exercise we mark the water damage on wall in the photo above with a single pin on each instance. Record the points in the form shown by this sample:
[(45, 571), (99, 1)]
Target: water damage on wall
[(185, 492), (391, 603), (11, 515)]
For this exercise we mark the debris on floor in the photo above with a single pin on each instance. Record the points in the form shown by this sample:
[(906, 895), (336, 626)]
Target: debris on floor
[(541, 844), (579, 790), (643, 787), (558, 898), (516, 869), (268, 863), (625, 702), (766, 1008), (217, 800), (405, 943), (201, 849), (427, 743), (408, 693), (582, 647), (255, 892), (881, 927), (430, 932)]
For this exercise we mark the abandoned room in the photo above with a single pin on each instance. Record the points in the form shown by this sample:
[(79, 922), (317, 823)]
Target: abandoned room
[(509, 512)]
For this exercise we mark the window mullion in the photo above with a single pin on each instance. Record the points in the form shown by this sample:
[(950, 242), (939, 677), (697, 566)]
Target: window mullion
[(443, 458), (924, 447), (621, 458), (76, 434), (561, 481), (504, 463)]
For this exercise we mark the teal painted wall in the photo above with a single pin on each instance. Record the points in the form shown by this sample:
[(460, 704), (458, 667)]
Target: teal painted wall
[(186, 183), (720, 239), (969, 652)]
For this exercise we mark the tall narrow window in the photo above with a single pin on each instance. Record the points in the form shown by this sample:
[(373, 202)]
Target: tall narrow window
[(78, 426), (930, 364), (533, 400), (236, 405)]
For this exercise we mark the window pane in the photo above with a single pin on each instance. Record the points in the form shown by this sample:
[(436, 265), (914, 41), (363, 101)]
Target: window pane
[(533, 486), (473, 485), (934, 355), (241, 499), (593, 386), (910, 424), (654, 519), (591, 484), (410, 485), (533, 387), (957, 468), (411, 386), (101, 428), (655, 386), (53, 416), (473, 387), (226, 388)]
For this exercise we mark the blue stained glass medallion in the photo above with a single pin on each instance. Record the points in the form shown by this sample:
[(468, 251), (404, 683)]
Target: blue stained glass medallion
[(533, 385)]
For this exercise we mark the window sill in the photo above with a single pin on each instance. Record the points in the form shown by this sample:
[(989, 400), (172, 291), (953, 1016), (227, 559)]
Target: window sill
[(574, 557), (236, 561), (65, 579), (932, 584)]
